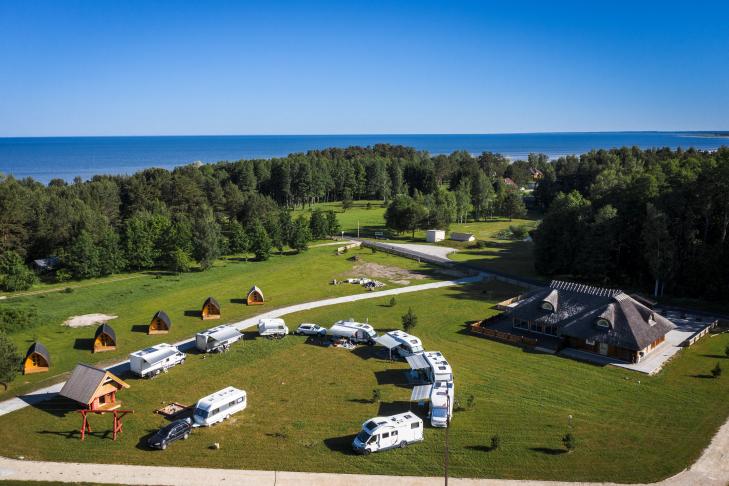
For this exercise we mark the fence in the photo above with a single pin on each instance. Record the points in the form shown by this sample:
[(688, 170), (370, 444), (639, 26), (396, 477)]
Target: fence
[(693, 339), (501, 335)]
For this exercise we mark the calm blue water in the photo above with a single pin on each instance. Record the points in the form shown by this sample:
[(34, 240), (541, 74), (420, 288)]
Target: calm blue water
[(67, 157)]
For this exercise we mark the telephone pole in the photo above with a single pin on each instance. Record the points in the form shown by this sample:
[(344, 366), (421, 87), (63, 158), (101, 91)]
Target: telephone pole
[(448, 426)]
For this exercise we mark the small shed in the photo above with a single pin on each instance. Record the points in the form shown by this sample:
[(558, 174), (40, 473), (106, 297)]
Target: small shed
[(46, 264), (462, 236), (255, 296), (104, 339), (37, 359), (160, 323), (434, 236), (210, 309), (94, 388)]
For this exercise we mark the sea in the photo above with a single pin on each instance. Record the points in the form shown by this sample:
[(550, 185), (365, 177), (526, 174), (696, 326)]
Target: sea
[(46, 158)]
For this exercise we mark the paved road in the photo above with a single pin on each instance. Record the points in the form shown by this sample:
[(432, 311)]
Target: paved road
[(122, 367)]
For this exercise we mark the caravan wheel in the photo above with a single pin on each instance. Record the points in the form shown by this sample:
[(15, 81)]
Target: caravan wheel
[(403, 444), (182, 361), (186, 436)]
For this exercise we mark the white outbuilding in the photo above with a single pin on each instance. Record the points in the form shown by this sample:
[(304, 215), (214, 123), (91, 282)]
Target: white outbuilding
[(434, 236)]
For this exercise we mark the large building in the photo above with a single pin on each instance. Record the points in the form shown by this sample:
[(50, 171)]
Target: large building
[(598, 320)]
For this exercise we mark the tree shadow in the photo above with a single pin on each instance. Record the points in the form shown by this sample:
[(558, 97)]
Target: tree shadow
[(480, 448), (703, 376), (341, 444), (86, 344), (550, 451), (193, 313), (141, 328), (363, 401), (716, 356)]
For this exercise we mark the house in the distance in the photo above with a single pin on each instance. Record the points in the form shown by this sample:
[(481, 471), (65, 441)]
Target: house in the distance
[(604, 321), (467, 237)]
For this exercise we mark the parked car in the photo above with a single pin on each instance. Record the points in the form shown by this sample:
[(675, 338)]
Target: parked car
[(179, 429), (310, 330)]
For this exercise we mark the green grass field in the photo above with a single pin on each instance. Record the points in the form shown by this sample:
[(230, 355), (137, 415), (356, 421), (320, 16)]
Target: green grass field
[(285, 280), (306, 403)]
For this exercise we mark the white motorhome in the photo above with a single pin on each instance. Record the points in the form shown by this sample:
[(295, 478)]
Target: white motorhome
[(402, 343), (217, 339), (219, 406), (382, 433), (354, 331), (431, 367), (276, 328), (441, 403), (154, 360)]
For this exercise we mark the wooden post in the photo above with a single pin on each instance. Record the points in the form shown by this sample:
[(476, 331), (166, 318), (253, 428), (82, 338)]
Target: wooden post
[(85, 426)]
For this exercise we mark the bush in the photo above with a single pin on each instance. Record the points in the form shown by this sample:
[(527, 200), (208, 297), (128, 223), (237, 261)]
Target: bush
[(495, 442), (393, 303), (726, 350), (9, 360), (63, 275), (14, 274), (13, 319), (716, 372), (518, 232), (569, 442), (68, 290), (376, 396)]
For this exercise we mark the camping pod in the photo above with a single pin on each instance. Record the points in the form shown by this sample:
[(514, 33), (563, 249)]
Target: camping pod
[(210, 309), (37, 359), (160, 323), (93, 388), (255, 296), (104, 339)]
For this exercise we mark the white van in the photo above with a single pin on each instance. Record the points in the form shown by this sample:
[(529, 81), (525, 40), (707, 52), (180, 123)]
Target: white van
[(354, 331), (275, 328), (154, 360), (219, 406), (382, 433), (409, 344), (442, 394), (217, 339)]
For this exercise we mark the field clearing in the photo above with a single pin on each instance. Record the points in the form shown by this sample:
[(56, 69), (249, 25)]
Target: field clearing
[(306, 402), (285, 280)]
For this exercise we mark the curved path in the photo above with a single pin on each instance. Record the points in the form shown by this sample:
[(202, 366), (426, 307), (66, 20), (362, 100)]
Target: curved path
[(42, 394)]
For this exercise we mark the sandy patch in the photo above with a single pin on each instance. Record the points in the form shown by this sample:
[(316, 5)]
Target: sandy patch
[(396, 275), (87, 320)]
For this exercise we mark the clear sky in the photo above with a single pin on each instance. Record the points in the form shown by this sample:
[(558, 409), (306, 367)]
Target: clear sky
[(163, 67)]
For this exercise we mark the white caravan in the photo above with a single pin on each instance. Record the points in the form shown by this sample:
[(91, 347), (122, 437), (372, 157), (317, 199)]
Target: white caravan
[(441, 403), (217, 339), (272, 328), (382, 433), (154, 360), (354, 331), (219, 406), (408, 344)]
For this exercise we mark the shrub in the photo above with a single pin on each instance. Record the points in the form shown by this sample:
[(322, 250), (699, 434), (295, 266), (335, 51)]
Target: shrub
[(68, 290), (726, 350), (9, 360), (409, 320), (495, 442), (470, 402), (13, 319), (518, 232), (393, 303), (63, 275), (376, 396), (569, 442), (716, 372)]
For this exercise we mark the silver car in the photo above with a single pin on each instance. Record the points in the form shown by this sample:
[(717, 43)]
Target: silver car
[(307, 329)]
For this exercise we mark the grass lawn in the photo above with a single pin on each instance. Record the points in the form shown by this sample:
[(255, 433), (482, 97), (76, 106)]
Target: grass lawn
[(307, 402), (285, 280)]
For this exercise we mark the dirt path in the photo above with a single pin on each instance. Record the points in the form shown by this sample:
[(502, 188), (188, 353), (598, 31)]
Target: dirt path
[(61, 289)]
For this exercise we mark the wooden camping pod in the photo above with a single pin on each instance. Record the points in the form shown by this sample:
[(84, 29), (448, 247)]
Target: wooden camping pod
[(160, 323), (255, 296), (104, 339), (37, 359), (210, 309)]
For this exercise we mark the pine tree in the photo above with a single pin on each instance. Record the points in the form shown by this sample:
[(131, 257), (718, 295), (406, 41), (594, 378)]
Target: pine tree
[(9, 360)]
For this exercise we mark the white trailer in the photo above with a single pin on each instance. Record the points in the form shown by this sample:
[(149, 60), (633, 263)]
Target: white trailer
[(382, 433), (217, 339), (272, 328), (402, 343), (354, 331), (154, 360), (219, 406), (441, 403)]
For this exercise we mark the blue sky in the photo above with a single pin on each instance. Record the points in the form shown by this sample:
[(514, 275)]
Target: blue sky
[(152, 67)]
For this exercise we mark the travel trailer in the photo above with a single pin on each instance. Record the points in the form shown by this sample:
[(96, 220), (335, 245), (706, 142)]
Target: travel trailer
[(275, 328), (354, 331), (217, 339), (154, 360), (402, 343), (382, 433), (431, 367), (219, 406)]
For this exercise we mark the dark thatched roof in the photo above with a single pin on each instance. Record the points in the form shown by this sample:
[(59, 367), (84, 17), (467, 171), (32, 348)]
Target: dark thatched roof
[(577, 309), (211, 301), (105, 329), (38, 348), (162, 316), (85, 381)]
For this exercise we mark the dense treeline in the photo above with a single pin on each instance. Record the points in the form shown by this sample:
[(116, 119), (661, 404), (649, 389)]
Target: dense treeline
[(173, 219), (653, 219)]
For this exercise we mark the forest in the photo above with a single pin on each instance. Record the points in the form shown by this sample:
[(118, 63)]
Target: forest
[(651, 219)]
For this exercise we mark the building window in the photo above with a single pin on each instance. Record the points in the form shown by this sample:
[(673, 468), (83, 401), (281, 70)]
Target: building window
[(603, 323)]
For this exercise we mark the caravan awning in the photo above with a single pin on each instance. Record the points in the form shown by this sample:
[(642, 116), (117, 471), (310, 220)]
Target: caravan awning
[(228, 332), (421, 392), (417, 362), (387, 341)]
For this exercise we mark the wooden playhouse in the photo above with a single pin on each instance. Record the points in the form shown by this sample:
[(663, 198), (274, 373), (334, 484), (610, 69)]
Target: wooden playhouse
[(210, 309), (93, 388), (37, 359), (160, 323), (255, 296), (104, 339)]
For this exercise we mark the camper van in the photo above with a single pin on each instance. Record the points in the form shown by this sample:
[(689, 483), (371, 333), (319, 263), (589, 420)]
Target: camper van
[(219, 406), (382, 433), (441, 403), (354, 331), (154, 360), (409, 344), (217, 339), (272, 328), (439, 369)]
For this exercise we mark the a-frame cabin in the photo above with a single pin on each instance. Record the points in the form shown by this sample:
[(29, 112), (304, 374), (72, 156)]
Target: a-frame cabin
[(210, 309), (160, 323), (37, 359), (104, 339), (255, 296)]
